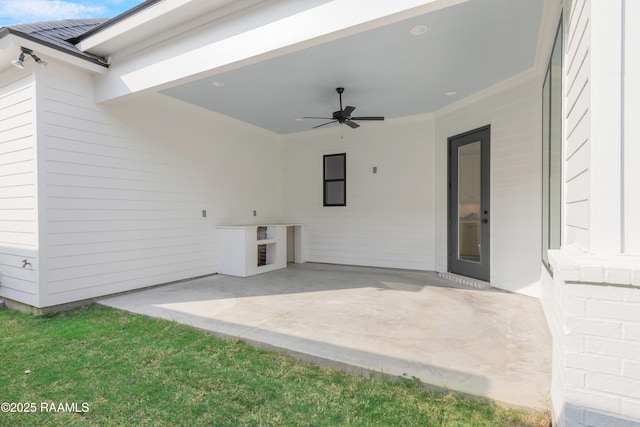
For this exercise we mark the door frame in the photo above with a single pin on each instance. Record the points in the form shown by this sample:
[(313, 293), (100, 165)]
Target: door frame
[(479, 270)]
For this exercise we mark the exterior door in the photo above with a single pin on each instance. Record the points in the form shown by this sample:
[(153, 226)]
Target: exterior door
[(469, 209)]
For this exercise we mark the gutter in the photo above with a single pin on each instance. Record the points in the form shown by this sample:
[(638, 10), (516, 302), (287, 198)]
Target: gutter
[(94, 59), (114, 21)]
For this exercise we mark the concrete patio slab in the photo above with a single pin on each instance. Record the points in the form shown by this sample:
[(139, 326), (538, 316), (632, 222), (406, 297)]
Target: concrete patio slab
[(486, 343)]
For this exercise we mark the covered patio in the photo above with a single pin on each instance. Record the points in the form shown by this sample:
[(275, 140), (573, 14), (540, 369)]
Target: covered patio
[(370, 321)]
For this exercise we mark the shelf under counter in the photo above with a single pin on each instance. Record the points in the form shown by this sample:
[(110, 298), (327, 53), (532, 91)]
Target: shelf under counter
[(265, 241), (238, 243)]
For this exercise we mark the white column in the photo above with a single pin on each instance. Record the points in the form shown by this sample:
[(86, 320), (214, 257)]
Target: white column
[(606, 126), (631, 135)]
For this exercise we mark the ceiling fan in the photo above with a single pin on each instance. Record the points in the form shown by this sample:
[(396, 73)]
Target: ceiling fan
[(344, 115)]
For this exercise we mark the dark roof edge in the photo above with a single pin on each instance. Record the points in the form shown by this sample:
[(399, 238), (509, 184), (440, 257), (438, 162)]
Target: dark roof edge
[(95, 59), (113, 21)]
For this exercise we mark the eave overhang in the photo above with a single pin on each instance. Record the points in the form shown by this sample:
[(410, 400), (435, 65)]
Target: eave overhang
[(10, 36)]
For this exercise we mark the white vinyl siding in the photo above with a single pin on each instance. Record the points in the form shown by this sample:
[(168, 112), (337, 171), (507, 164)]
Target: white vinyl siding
[(18, 217), (513, 111), (389, 220), (591, 300), (577, 126), (127, 184)]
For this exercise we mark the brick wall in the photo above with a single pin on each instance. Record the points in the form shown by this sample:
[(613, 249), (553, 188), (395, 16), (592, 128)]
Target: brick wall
[(596, 343)]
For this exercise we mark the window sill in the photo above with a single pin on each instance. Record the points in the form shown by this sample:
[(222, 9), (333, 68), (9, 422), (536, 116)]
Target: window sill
[(575, 266)]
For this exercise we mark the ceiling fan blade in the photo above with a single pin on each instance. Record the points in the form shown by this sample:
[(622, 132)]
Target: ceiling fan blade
[(368, 118), (351, 124), (324, 124), (323, 118), (347, 111)]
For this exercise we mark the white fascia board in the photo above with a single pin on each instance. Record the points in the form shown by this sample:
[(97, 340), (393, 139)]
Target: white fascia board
[(194, 56), (130, 23), (47, 53), (149, 19)]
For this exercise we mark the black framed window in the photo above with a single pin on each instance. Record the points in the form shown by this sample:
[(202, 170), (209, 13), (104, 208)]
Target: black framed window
[(335, 179), (552, 150)]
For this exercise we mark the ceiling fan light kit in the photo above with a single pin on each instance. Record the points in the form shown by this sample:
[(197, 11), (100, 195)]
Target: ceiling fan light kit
[(343, 115)]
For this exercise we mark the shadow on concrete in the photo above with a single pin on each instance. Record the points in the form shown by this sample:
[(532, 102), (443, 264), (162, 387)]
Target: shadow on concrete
[(484, 343), (311, 277)]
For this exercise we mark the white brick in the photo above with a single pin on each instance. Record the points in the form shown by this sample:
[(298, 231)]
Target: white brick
[(572, 423), (598, 419), (631, 369), (568, 272), (635, 277), (596, 401), (595, 381), (593, 363), (617, 275), (592, 274), (630, 409), (631, 331), (576, 307), (580, 290), (616, 385), (574, 343), (613, 311), (596, 291), (612, 348), (599, 328), (574, 414), (631, 295), (574, 378)]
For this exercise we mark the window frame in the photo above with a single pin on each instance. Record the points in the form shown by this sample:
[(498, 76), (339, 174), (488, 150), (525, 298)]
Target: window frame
[(552, 144), (325, 180)]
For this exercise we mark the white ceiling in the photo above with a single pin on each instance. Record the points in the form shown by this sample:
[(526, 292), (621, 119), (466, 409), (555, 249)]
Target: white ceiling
[(385, 71)]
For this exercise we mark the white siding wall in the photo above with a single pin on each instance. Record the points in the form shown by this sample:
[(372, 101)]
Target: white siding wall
[(127, 184), (389, 220), (577, 126), (593, 300), (513, 111), (18, 217)]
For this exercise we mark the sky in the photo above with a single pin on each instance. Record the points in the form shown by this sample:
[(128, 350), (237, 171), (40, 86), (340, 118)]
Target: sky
[(14, 12)]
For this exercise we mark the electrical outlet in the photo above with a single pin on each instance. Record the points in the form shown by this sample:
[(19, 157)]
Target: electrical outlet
[(255, 213), (204, 214), (374, 169)]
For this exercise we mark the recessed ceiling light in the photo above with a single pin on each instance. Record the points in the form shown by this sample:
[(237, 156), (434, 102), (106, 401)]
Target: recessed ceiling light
[(418, 30), (217, 83), (452, 93), (299, 119)]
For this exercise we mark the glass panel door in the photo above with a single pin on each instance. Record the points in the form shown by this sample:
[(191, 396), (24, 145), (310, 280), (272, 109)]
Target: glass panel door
[(469, 198), (469, 227)]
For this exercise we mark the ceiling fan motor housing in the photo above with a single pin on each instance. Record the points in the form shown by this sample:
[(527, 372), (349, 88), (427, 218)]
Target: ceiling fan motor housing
[(343, 115)]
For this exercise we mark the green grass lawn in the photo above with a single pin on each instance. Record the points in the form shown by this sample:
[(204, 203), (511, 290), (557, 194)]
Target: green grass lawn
[(133, 370)]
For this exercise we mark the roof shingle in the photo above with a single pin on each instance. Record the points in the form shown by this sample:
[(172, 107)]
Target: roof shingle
[(57, 34)]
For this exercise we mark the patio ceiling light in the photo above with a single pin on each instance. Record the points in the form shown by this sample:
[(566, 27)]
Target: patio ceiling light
[(20, 61), (418, 30)]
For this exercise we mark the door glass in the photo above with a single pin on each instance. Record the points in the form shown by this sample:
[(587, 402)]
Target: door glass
[(469, 197)]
